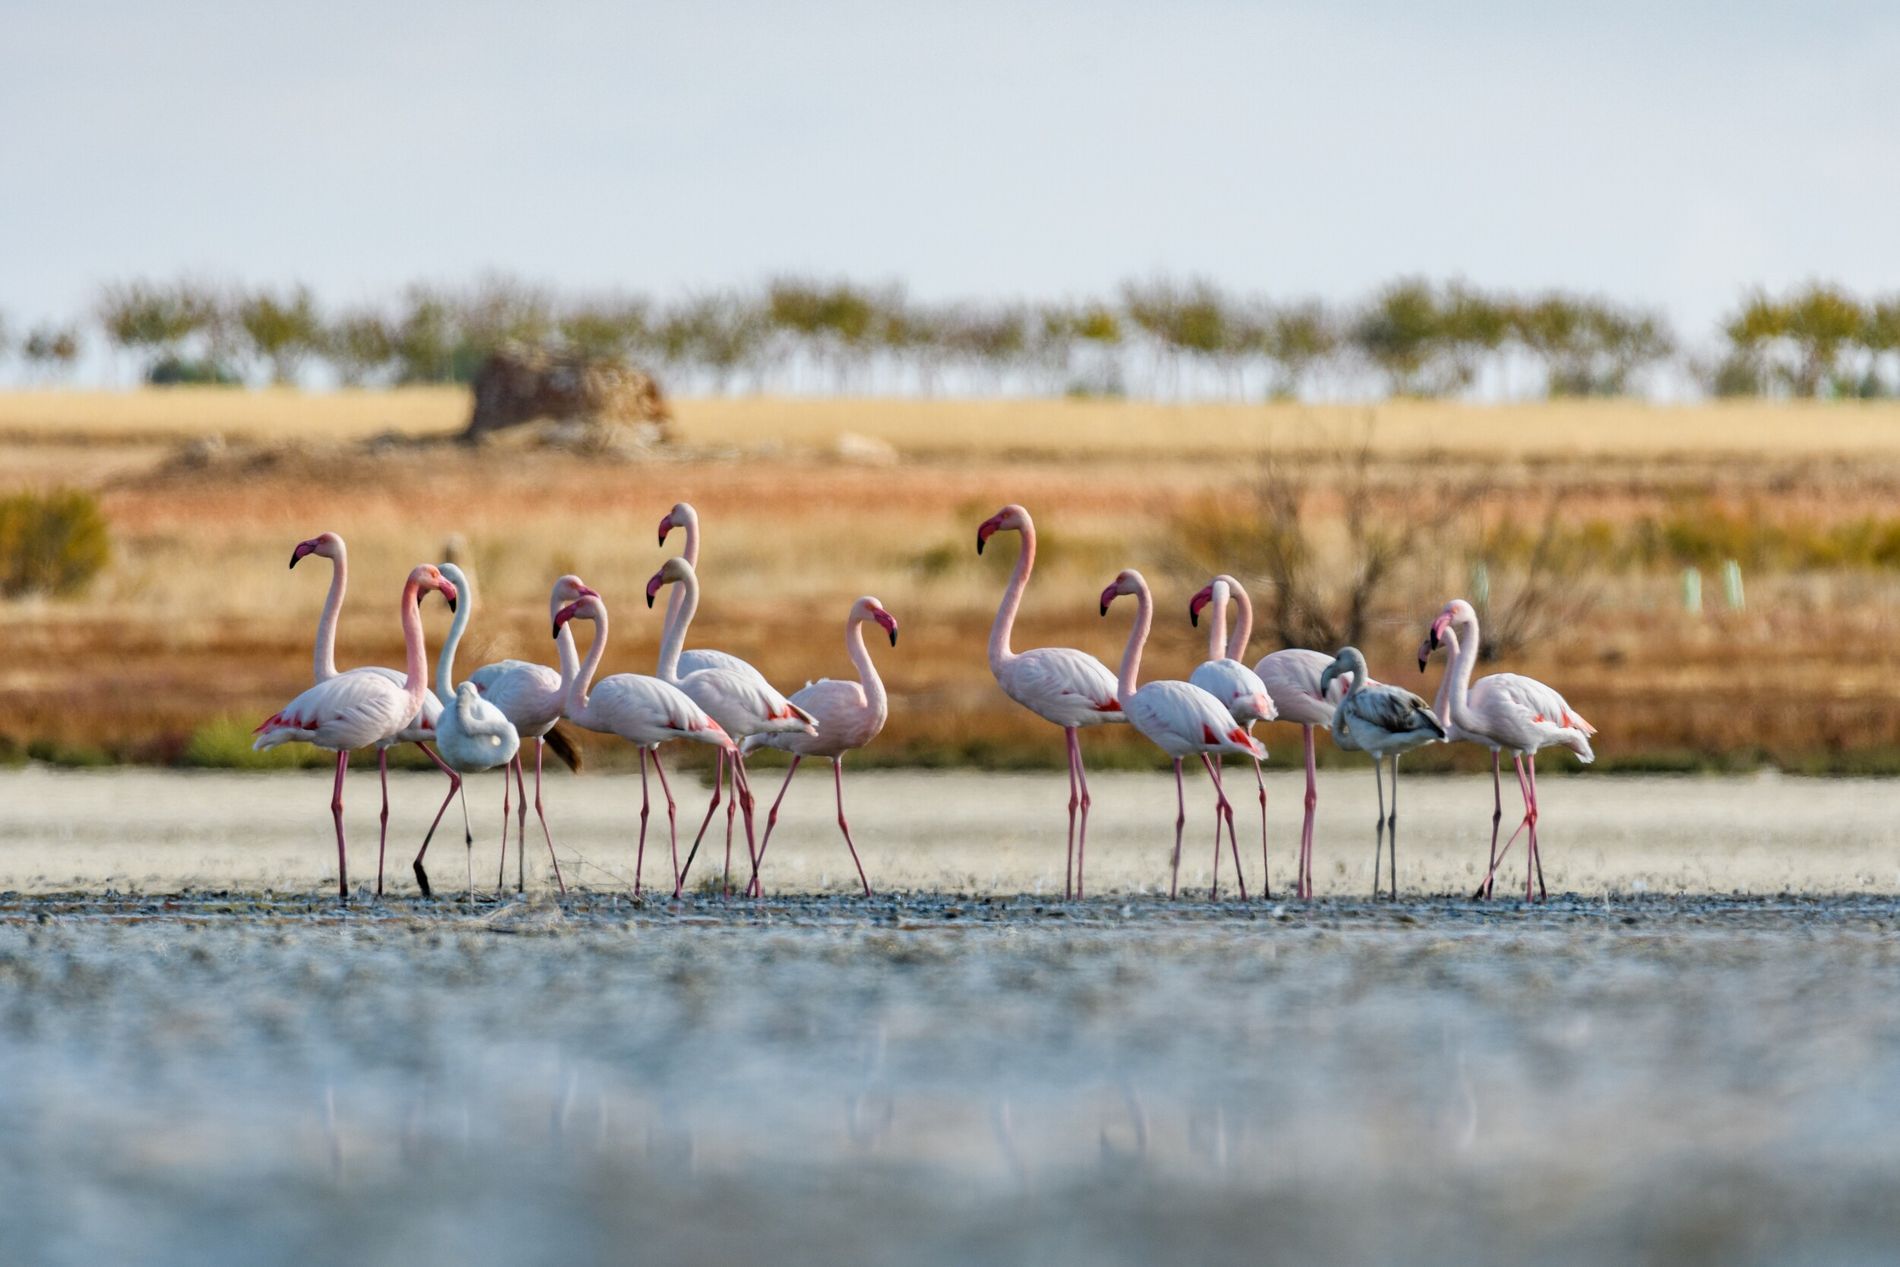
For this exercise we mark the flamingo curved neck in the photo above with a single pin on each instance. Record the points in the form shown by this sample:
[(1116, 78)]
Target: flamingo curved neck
[(1457, 688), (581, 680), (445, 661), (565, 654), (1000, 654), (1137, 639), (415, 683), (691, 555), (1243, 623), (323, 666), (1217, 622), (867, 671), (674, 637)]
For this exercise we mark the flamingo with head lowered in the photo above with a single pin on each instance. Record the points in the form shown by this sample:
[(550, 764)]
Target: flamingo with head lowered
[(849, 714), (530, 696), (1505, 712), (362, 709), (421, 727), (471, 733), (744, 704), (1183, 721), (644, 711), (1224, 676), (1386, 721), (1062, 685)]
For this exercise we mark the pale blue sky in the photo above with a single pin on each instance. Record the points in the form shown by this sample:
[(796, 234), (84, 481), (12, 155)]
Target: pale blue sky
[(968, 148)]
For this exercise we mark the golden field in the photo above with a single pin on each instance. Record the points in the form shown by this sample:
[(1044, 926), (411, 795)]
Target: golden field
[(197, 629)]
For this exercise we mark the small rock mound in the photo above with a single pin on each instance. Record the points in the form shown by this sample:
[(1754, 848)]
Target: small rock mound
[(518, 384)]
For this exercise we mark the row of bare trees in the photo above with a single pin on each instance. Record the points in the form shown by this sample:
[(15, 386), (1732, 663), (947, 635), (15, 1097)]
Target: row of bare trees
[(1160, 337)]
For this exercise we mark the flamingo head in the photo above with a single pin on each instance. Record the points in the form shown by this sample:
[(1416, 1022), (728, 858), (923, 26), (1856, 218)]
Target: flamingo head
[(681, 516), (1200, 600), (1012, 517), (868, 608), (586, 607), (1348, 666), (571, 589), (674, 569), (1129, 582), (1456, 612), (326, 544), (429, 577)]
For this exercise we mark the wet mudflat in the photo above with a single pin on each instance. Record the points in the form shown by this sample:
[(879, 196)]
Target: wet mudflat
[(230, 1077)]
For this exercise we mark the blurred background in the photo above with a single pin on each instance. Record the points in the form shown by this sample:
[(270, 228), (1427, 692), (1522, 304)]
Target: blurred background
[(1592, 319)]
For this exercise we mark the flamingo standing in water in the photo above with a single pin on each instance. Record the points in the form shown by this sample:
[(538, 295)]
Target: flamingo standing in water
[(1224, 676), (644, 711), (1070, 688), (745, 704), (421, 727), (850, 715), (471, 733), (1386, 721), (1183, 721), (363, 709), (1505, 712), (530, 695)]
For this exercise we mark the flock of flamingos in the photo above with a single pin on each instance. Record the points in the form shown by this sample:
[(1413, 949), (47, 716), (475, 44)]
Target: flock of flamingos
[(713, 698)]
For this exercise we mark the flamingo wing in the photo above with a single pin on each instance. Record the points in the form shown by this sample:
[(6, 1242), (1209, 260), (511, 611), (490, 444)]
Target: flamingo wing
[(745, 704), (358, 709), (645, 710), (1182, 718), (699, 661), (1066, 686), (1238, 688), (1393, 710), (528, 694), (1527, 714)]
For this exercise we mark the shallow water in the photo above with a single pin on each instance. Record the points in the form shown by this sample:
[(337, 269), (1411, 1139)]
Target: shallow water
[(219, 1079)]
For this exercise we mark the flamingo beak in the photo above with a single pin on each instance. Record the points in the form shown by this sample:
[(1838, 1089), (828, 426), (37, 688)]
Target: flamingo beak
[(448, 593), (563, 616), (984, 532), (303, 548), (1199, 601), (1108, 596), (889, 622), (666, 526), (653, 587)]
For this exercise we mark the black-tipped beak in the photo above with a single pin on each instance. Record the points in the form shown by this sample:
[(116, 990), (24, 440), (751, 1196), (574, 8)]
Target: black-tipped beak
[(557, 631), (893, 637), (451, 599), (1104, 609), (1421, 664), (649, 599), (1194, 618), (980, 539), (294, 557)]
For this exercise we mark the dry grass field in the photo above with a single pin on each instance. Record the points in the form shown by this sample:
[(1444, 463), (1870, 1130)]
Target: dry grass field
[(197, 629)]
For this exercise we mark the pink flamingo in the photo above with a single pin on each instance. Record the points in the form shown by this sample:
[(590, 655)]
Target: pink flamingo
[(1227, 679), (531, 696), (1292, 678), (1384, 721), (849, 715), (1069, 688), (360, 710), (421, 727), (1183, 721), (1505, 712), (644, 711), (743, 703)]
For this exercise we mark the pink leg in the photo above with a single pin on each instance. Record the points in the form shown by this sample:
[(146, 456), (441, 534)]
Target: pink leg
[(1536, 847), (1082, 829), (837, 777), (756, 888), (455, 785), (1266, 874), (719, 776), (1213, 884), (501, 869), (1180, 820), (1306, 827), (646, 806), (672, 822), (336, 812), (1224, 808), (732, 797), (545, 833), (521, 822), (742, 795), (1075, 800), (1524, 788), (1497, 817), (382, 842)]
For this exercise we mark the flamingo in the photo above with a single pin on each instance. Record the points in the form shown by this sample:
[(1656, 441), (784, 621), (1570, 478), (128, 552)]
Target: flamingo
[(683, 516), (1227, 679), (743, 703), (644, 711), (471, 733), (360, 710), (850, 715), (530, 696), (421, 727), (1061, 685), (1505, 712), (1183, 720), (1386, 721)]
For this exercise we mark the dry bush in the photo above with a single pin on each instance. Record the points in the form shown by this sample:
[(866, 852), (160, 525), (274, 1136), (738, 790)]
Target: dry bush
[(51, 543)]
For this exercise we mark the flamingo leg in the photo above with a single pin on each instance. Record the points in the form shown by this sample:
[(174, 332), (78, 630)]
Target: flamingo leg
[(837, 777), (382, 769), (1180, 820), (1392, 829), (1213, 774), (1523, 788), (1266, 877), (1072, 750), (501, 869), (455, 785), (646, 807), (1224, 808), (719, 775), (1082, 830), (468, 846), (732, 809), (1378, 840), (742, 786), (1306, 826), (672, 821), (545, 833), (755, 888), (1497, 817), (336, 812), (521, 834), (1536, 848)]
